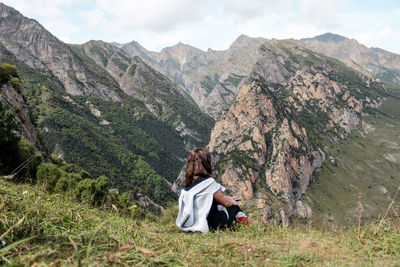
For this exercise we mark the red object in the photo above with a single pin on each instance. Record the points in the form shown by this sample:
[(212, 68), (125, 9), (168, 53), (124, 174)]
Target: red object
[(242, 220)]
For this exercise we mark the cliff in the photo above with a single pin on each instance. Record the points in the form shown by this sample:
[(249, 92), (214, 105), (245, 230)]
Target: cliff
[(270, 142)]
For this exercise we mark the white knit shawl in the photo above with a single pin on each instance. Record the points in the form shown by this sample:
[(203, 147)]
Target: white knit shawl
[(195, 204)]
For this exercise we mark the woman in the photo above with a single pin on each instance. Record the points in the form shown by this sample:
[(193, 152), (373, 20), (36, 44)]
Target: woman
[(202, 205)]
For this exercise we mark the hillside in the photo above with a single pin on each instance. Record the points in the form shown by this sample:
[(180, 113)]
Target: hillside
[(300, 125), (378, 62), (161, 97), (136, 130), (362, 172), (52, 229), (20, 142), (211, 78), (302, 106)]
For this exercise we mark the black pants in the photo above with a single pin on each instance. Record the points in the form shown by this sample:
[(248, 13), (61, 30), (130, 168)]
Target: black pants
[(218, 220)]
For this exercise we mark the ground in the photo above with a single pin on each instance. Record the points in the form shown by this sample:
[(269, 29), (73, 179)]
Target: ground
[(53, 229)]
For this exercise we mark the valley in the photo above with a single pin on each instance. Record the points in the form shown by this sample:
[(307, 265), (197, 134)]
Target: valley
[(361, 173), (302, 128)]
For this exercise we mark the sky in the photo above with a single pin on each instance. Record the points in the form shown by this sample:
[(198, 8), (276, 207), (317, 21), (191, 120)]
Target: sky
[(214, 24)]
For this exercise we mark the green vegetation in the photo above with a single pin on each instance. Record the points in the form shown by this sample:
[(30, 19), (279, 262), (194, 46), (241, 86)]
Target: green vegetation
[(53, 229), (101, 53), (209, 83), (69, 179), (117, 61), (364, 170), (122, 151), (132, 69), (134, 148), (234, 79), (15, 151), (388, 76)]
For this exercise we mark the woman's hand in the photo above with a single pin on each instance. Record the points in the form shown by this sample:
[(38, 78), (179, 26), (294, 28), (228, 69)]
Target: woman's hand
[(224, 200), (235, 201)]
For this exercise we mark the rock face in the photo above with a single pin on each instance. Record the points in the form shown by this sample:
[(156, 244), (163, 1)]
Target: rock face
[(36, 47), (268, 143), (381, 63), (95, 105), (254, 142), (160, 96), (12, 95), (211, 78)]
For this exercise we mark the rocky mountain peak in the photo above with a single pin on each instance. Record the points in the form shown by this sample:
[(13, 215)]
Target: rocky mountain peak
[(328, 37), (369, 61), (269, 132), (180, 53), (32, 44), (6, 11), (242, 40)]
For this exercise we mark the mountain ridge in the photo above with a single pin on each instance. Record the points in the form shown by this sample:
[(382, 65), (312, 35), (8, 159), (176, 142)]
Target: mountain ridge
[(87, 118), (281, 108)]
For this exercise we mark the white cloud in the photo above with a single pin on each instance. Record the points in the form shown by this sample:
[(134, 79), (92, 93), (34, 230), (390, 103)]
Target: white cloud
[(94, 18), (250, 9), (155, 15), (387, 38), (322, 14), (51, 14), (43, 8), (209, 23)]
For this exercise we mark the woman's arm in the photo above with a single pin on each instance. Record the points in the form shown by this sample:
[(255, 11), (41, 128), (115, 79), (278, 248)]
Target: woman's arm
[(224, 200)]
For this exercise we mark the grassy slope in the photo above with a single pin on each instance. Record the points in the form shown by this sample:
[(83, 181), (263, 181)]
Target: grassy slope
[(65, 232), (111, 150), (361, 172)]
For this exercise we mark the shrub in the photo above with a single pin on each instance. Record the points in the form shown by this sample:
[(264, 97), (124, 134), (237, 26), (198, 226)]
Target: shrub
[(16, 83), (85, 190), (84, 174), (27, 153), (124, 200), (10, 69), (101, 189), (62, 185), (70, 167), (74, 178), (8, 140), (48, 175)]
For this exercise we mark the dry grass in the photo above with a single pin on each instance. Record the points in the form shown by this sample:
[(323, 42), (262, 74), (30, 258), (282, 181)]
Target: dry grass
[(46, 229)]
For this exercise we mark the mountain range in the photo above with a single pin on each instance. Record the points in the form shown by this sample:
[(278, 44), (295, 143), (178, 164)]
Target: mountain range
[(297, 128)]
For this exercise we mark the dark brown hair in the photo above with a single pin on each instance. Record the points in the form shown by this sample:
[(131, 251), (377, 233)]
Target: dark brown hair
[(198, 165)]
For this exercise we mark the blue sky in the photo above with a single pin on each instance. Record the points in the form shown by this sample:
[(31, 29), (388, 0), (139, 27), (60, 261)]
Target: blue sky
[(215, 23)]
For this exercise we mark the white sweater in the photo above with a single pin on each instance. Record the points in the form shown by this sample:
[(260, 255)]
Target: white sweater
[(195, 204)]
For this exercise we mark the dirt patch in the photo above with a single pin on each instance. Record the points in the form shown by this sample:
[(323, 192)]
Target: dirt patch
[(395, 157)]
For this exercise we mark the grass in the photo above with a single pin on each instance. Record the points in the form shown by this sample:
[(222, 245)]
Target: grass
[(51, 229), (364, 171)]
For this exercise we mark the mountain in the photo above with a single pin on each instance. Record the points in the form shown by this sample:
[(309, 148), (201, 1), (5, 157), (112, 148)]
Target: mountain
[(20, 141), (161, 97), (211, 78), (378, 62), (294, 110), (303, 128), (29, 42), (278, 129), (135, 129), (11, 97)]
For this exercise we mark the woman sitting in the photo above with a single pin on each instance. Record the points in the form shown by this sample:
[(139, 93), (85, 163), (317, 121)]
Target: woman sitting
[(202, 205)]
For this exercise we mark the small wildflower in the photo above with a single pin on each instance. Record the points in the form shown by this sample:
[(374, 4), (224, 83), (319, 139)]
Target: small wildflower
[(25, 192), (112, 236)]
